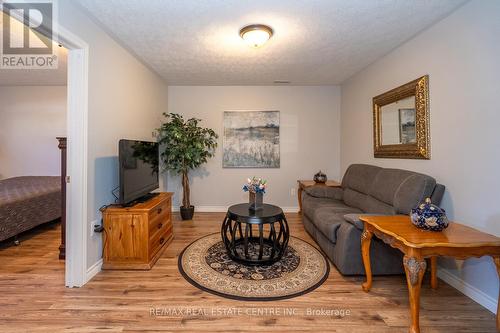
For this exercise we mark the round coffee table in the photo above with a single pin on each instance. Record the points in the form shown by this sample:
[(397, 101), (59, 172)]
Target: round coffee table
[(271, 234)]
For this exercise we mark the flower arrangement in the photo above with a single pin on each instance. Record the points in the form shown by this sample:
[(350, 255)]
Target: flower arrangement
[(255, 185)]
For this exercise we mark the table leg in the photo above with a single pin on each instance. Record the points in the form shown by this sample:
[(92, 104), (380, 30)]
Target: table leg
[(245, 240), (497, 264), (223, 231), (233, 234), (434, 279), (414, 268), (366, 239), (286, 232), (299, 197), (261, 241)]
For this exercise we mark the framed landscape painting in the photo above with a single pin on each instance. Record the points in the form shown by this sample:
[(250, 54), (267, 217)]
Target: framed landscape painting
[(407, 130), (251, 139)]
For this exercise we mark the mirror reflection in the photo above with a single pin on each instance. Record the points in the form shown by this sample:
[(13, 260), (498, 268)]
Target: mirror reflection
[(398, 122)]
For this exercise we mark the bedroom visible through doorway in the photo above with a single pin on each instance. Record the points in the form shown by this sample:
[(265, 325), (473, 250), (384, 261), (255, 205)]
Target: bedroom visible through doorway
[(39, 108), (33, 131)]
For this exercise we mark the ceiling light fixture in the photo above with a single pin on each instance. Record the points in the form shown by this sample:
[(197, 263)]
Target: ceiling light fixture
[(256, 35)]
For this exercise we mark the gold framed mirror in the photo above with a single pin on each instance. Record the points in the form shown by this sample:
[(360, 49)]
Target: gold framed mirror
[(401, 121)]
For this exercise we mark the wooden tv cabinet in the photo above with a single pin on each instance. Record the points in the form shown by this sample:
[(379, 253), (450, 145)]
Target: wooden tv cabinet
[(135, 237)]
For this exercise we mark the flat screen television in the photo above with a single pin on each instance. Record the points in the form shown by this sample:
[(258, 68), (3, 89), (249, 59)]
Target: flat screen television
[(138, 170)]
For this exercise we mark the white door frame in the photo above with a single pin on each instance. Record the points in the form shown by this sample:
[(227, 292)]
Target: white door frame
[(77, 161)]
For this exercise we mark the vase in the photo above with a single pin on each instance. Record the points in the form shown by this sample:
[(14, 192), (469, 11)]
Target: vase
[(320, 178), (429, 217), (256, 200)]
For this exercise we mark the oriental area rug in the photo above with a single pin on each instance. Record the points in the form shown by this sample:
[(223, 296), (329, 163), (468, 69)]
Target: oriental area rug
[(206, 265)]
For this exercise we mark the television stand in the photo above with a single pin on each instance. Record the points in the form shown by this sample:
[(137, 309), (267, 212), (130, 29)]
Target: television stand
[(135, 237)]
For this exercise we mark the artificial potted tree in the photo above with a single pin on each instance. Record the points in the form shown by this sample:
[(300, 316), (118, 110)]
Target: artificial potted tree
[(185, 146)]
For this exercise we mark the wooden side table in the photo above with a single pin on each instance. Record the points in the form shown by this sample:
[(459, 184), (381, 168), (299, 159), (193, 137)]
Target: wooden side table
[(303, 184), (457, 241)]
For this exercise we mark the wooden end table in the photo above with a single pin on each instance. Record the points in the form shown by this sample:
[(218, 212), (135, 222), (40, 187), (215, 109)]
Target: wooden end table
[(457, 241), (303, 184)]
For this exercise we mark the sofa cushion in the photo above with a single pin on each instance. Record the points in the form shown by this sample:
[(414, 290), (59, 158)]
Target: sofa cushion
[(402, 189), (387, 183), (328, 220), (359, 177), (321, 191), (311, 204), (356, 199), (374, 206), (413, 191)]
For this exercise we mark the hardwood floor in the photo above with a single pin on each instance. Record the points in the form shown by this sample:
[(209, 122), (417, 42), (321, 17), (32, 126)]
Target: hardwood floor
[(33, 298)]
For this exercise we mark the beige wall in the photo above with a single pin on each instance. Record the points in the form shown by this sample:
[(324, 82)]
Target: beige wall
[(309, 137), (31, 117), (126, 100), (461, 55)]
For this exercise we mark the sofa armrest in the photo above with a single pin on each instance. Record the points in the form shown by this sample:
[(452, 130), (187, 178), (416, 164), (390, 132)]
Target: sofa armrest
[(321, 191), (356, 221)]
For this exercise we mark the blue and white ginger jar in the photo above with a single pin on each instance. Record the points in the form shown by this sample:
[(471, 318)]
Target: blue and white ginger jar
[(429, 217)]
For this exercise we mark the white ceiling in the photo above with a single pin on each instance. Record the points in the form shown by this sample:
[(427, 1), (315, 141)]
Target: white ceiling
[(315, 42)]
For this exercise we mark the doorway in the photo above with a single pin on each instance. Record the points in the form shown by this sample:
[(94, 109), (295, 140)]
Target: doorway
[(76, 273)]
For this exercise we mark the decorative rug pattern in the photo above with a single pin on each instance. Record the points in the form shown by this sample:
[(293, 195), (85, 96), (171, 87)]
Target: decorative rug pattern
[(206, 265)]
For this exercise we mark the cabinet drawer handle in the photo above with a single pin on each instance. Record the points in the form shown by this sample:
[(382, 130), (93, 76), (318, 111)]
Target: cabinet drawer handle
[(160, 225), (162, 240), (159, 211)]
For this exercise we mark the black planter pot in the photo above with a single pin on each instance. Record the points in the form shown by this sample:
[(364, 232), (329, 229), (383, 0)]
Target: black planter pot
[(187, 213)]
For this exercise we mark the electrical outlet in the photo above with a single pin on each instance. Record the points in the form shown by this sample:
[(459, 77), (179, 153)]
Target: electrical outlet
[(293, 192), (92, 224)]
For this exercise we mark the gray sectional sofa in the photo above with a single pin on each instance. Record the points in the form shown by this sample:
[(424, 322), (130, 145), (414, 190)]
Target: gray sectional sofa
[(331, 215)]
